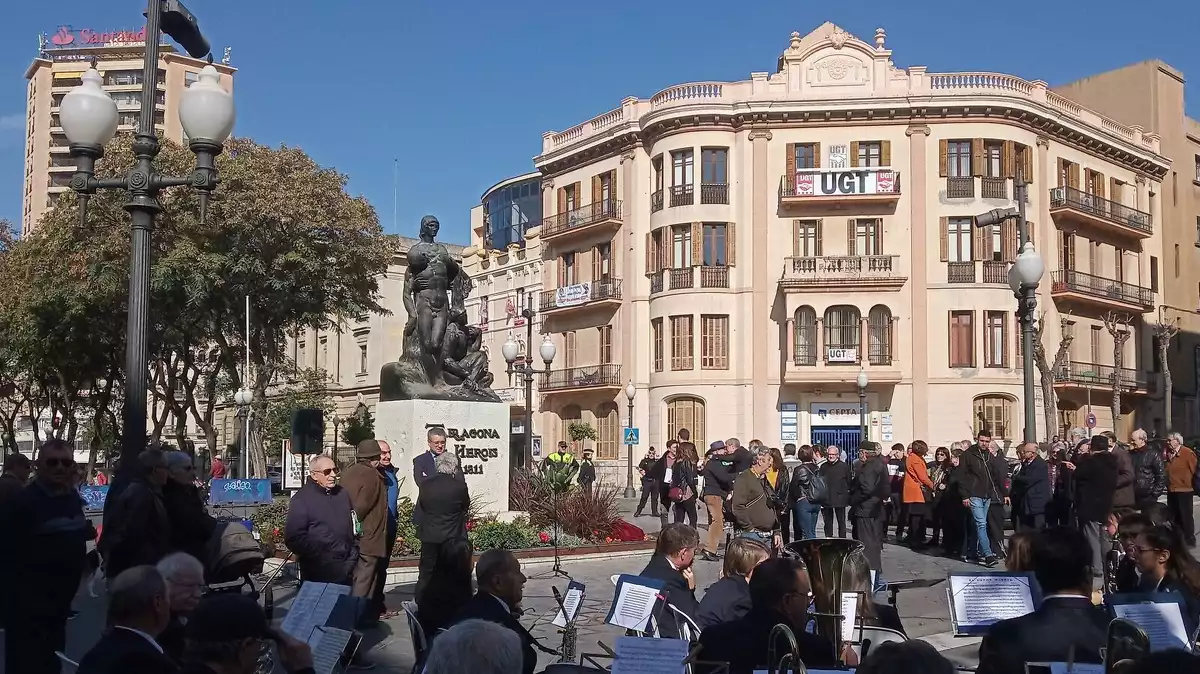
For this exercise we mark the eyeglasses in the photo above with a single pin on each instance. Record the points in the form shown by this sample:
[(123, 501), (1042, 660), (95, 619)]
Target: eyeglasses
[(59, 463), (327, 471)]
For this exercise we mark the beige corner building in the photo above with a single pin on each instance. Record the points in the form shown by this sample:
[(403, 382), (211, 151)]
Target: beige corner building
[(63, 59), (1151, 94), (740, 251)]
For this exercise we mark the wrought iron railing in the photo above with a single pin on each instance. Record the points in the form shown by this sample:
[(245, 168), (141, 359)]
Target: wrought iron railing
[(656, 201), (714, 277), (1112, 211), (994, 188), (608, 209), (995, 271), (714, 193), (656, 282), (683, 195), (1093, 374), (960, 272), (608, 289), (589, 376), (681, 278), (960, 188), (1068, 280)]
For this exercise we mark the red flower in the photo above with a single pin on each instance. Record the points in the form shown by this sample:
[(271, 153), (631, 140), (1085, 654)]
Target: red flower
[(608, 539), (471, 525), (276, 531), (543, 537)]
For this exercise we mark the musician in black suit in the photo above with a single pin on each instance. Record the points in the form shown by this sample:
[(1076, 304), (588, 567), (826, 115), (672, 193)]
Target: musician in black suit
[(440, 514), (779, 594), (1030, 491), (138, 611), (1066, 627), (501, 587), (672, 563)]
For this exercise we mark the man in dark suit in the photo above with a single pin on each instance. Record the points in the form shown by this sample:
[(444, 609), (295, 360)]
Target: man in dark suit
[(501, 588), (672, 564), (138, 611), (870, 486), (1096, 471), (1066, 627), (1030, 491), (440, 514), (423, 467), (779, 594)]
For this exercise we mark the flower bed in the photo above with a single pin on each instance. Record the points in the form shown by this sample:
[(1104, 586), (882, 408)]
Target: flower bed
[(587, 522)]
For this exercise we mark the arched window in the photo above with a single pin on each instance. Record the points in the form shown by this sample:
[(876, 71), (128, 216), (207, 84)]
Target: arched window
[(804, 351), (879, 335), (686, 412), (843, 325), (994, 411), (608, 428)]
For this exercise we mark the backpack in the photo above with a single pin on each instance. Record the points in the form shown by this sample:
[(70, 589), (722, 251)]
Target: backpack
[(816, 490), (233, 553)]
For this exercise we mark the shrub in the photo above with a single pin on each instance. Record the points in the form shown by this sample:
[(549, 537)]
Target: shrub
[(588, 514), (494, 534), (407, 543), (269, 521)]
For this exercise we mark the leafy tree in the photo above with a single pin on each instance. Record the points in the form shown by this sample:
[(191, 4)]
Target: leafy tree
[(360, 426), (310, 388)]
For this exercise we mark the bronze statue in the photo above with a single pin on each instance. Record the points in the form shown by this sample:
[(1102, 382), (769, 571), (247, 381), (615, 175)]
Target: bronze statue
[(442, 359)]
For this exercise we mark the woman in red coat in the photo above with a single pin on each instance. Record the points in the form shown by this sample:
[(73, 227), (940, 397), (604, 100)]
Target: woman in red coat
[(916, 485)]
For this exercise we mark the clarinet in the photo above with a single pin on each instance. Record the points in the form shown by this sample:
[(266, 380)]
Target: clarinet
[(1112, 562)]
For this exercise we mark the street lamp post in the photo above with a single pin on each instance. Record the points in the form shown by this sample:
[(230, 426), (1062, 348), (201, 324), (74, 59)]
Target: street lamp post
[(512, 351), (862, 382), (337, 421), (244, 398), (1023, 278), (89, 118), (630, 492)]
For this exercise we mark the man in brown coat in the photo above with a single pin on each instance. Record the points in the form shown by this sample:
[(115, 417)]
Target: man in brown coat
[(368, 496), (1181, 469)]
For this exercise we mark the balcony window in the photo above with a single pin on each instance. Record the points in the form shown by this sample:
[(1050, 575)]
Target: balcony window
[(606, 350), (869, 154), (656, 338), (995, 339), (714, 168), (567, 274), (995, 234), (714, 342), (604, 188), (570, 355), (843, 326), (958, 238), (682, 168), (993, 413), (993, 159), (570, 198), (714, 246), (868, 237), (805, 337), (681, 343), (608, 430), (958, 159), (807, 241), (681, 246), (806, 155), (879, 336), (602, 262), (962, 339)]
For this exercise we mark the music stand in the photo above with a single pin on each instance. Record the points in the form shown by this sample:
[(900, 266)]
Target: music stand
[(555, 571)]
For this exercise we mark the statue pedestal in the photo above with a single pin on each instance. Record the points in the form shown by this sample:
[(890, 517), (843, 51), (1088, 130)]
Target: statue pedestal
[(478, 432)]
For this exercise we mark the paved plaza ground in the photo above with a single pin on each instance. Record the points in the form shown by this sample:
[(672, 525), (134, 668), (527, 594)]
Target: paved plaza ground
[(924, 611)]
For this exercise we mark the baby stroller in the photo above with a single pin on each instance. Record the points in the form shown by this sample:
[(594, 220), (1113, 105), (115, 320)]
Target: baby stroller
[(235, 557)]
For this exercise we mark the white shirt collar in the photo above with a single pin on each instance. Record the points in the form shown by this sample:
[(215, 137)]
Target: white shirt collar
[(671, 563), (142, 634), (503, 603)]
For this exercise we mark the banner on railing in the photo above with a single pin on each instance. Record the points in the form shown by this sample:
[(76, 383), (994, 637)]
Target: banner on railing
[(839, 355), (239, 492), (824, 183), (573, 295), (93, 497)]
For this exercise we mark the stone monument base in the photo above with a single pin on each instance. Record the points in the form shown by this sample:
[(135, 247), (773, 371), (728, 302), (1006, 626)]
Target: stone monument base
[(478, 432)]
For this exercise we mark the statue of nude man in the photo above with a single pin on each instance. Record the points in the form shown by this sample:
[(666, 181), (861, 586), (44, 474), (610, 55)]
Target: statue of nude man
[(431, 270)]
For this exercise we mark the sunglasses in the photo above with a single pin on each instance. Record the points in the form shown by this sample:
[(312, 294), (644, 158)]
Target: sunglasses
[(327, 471), (59, 463)]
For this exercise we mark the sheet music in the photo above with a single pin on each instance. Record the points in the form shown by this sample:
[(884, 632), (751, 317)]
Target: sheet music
[(1162, 622), (633, 605), (572, 600), (311, 608), (983, 599), (816, 671), (849, 612), (647, 655), (1076, 668), (327, 645)]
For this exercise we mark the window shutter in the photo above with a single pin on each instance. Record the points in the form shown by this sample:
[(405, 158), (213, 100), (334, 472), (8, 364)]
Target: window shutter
[(1017, 324), (578, 194), (562, 200), (816, 155), (1114, 190), (1098, 181), (820, 227), (980, 241), (885, 152), (796, 252), (669, 242), (978, 160), (850, 248), (595, 252), (612, 184), (1062, 167), (877, 236), (650, 253), (943, 159), (597, 189), (697, 244), (944, 235), (1031, 228), (1009, 240), (1027, 163), (1008, 159), (853, 153), (790, 162), (562, 272), (731, 244), (1073, 176)]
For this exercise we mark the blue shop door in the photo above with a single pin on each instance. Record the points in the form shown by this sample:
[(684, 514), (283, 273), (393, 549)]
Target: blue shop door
[(846, 438)]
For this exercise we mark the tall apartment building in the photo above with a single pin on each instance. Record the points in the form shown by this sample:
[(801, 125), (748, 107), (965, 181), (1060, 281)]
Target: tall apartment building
[(740, 251), (1151, 94), (505, 263), (118, 55)]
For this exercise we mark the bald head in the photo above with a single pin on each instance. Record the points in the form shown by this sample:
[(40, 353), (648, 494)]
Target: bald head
[(323, 471)]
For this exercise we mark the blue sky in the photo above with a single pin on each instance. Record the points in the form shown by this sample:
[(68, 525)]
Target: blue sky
[(461, 92)]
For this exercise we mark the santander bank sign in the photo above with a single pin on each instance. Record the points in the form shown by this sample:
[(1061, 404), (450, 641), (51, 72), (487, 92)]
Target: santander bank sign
[(67, 38)]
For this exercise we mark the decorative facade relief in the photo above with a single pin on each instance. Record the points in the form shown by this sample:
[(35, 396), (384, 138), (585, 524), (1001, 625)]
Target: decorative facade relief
[(838, 70)]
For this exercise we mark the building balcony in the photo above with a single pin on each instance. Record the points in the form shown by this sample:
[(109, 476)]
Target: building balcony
[(840, 186), (588, 377), (960, 187), (714, 193), (1069, 204), (1076, 287), (812, 364), (873, 272), (1079, 375), (585, 295), (600, 216), (682, 195), (656, 201), (993, 188)]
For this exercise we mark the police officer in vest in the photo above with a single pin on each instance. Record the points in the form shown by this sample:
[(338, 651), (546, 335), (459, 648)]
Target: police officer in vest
[(561, 459)]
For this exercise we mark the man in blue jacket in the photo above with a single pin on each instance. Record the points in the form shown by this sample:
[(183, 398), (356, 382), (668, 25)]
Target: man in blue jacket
[(320, 526), (393, 495)]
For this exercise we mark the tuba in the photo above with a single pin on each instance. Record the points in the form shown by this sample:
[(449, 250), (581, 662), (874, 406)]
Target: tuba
[(825, 559), (788, 662), (1126, 644)]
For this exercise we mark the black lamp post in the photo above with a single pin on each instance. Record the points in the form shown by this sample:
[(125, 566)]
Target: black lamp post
[(512, 351), (862, 382), (630, 492), (89, 117), (337, 421)]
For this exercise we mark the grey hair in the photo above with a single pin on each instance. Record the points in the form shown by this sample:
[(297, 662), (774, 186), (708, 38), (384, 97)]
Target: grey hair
[(959, 446), (1139, 433), (172, 564), (760, 451), (733, 443), (177, 459), (446, 463), (476, 646), (316, 461), (151, 458), (491, 564), (436, 432), (131, 595), (834, 448), (1176, 437)]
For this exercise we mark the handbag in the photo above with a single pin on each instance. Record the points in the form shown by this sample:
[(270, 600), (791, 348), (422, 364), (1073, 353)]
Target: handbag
[(675, 494)]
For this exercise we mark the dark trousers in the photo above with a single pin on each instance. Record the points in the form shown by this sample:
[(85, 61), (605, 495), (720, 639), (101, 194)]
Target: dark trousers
[(430, 552), (686, 509), (649, 493), (29, 644), (1058, 512), (365, 577), (1035, 522), (379, 606), (785, 526), (869, 531), (1180, 505), (995, 527), (828, 514), (916, 522)]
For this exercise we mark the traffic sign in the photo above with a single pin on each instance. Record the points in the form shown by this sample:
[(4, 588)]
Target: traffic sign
[(1090, 421), (632, 436)]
